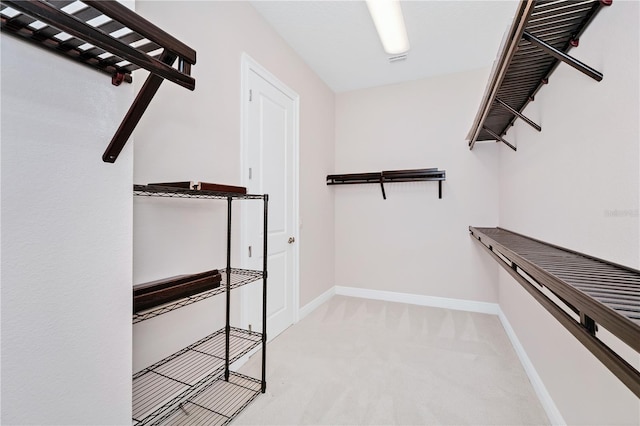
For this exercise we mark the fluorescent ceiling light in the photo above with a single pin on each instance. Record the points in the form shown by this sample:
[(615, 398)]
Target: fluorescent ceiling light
[(387, 17)]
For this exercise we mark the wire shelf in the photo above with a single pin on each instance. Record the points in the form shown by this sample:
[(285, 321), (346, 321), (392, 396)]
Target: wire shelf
[(171, 192), (193, 376), (239, 277), (218, 403)]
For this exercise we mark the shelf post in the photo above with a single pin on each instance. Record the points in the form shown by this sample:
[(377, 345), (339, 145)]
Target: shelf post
[(137, 109), (265, 256), (227, 328)]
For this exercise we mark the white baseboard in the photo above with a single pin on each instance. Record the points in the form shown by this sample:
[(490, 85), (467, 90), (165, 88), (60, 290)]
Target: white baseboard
[(555, 417), (313, 305), (418, 299)]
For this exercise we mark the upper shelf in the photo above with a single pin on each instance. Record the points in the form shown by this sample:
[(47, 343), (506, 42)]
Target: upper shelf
[(415, 175), (173, 192), (542, 33), (109, 37)]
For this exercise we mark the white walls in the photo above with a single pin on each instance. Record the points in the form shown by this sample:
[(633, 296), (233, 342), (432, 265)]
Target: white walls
[(66, 243), (414, 242), (196, 136), (576, 184)]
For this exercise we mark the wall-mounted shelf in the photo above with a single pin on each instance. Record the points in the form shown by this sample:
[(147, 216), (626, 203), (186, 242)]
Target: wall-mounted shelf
[(585, 292), (539, 39), (415, 175), (108, 37)]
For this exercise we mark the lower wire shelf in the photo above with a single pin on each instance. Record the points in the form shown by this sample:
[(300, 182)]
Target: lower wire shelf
[(192, 378), (218, 403)]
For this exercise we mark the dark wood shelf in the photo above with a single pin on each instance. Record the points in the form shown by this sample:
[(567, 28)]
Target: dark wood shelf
[(390, 176), (106, 36), (596, 291), (539, 39)]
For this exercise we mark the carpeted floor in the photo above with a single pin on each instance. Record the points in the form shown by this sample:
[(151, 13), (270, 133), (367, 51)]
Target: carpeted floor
[(367, 362)]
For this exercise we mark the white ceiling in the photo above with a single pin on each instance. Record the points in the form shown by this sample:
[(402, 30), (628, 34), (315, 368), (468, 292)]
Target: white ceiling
[(338, 40)]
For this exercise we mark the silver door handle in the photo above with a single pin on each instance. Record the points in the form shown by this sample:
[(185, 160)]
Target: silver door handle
[(291, 240)]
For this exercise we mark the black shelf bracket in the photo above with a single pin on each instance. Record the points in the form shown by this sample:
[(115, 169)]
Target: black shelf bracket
[(499, 138), (390, 176), (560, 55)]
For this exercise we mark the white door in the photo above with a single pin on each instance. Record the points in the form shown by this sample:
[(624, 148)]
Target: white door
[(270, 157)]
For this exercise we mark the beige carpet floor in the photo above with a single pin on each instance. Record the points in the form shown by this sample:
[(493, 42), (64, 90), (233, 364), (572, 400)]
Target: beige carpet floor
[(366, 362)]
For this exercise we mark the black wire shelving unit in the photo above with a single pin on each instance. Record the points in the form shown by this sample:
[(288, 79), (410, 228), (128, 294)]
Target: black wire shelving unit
[(195, 385), (539, 39)]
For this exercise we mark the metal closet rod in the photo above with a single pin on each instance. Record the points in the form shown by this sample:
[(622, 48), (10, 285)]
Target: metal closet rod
[(408, 175)]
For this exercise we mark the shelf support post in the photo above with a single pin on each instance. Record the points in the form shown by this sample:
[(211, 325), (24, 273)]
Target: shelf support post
[(499, 138), (227, 327), (137, 109), (265, 256), (560, 55), (519, 114)]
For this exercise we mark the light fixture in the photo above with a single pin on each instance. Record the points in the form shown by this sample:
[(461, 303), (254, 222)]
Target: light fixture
[(387, 17)]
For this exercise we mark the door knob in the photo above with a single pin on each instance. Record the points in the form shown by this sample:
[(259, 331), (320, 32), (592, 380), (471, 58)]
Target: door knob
[(291, 240)]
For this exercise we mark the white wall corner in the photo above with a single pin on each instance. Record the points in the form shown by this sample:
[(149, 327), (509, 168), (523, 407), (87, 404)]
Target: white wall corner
[(549, 406), (315, 303), (419, 299)]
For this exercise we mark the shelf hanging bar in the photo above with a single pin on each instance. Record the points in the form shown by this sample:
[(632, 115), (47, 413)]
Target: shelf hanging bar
[(519, 114), (498, 137), (569, 60)]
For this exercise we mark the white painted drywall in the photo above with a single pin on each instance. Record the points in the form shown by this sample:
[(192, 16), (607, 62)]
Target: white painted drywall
[(66, 243), (196, 136), (413, 242), (576, 184)]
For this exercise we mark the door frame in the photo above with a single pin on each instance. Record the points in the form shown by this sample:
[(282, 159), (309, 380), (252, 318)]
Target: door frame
[(248, 64)]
